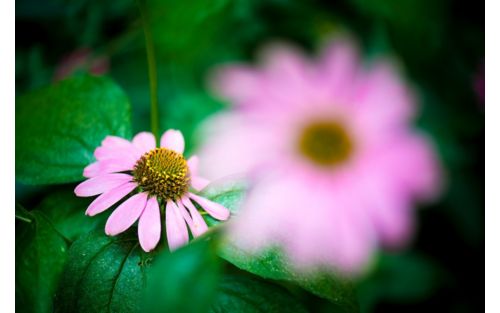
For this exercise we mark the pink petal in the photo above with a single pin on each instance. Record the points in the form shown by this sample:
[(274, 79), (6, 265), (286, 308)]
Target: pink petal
[(199, 226), (128, 152), (91, 170), (173, 140), (107, 199), (114, 141), (144, 142), (126, 214), (235, 82), (354, 245), (214, 209), (243, 157), (199, 183), (340, 68), (101, 184), (383, 100), (177, 233), (286, 67), (185, 215), (150, 225), (108, 166), (193, 163)]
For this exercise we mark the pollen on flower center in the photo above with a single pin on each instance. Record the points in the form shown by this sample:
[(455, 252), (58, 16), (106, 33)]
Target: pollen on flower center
[(163, 173), (326, 143)]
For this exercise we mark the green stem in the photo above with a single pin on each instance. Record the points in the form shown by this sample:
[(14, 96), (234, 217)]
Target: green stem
[(24, 219), (153, 76)]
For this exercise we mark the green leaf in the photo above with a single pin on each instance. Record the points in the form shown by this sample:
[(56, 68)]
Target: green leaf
[(229, 193), (185, 280), (271, 263), (249, 294), (103, 274), (58, 127), (67, 213), (40, 256)]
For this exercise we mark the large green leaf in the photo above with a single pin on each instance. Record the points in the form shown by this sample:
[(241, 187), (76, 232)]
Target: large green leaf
[(103, 274), (249, 294), (58, 127), (67, 213), (272, 263), (40, 256), (185, 280)]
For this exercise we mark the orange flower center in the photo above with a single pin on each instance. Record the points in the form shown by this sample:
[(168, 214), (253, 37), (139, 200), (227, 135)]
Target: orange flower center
[(325, 143), (163, 173)]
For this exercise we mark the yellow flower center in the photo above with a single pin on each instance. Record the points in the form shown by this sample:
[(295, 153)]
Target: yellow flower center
[(163, 173), (325, 142)]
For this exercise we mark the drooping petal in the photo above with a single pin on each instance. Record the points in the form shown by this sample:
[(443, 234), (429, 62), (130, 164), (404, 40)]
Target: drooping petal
[(172, 139), (107, 199), (199, 183), (101, 184), (126, 214), (214, 209), (144, 142), (184, 213), (177, 233), (108, 166), (199, 224), (150, 225)]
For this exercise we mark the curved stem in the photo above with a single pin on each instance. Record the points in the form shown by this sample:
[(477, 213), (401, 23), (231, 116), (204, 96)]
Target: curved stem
[(153, 76)]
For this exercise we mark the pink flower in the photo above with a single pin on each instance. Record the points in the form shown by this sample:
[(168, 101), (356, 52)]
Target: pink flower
[(157, 179), (333, 160), (81, 59), (479, 84)]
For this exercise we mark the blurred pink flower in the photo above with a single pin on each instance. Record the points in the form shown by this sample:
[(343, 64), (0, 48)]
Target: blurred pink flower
[(157, 179), (479, 84), (81, 59), (334, 162)]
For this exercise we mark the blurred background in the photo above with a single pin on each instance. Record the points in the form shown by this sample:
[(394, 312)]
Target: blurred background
[(440, 45)]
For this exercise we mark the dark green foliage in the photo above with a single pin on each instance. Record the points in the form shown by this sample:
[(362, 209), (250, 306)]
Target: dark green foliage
[(248, 294), (40, 256), (184, 280), (404, 277), (103, 274), (59, 127), (67, 214)]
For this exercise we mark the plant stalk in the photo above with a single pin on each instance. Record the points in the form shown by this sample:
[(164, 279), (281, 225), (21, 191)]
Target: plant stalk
[(153, 76)]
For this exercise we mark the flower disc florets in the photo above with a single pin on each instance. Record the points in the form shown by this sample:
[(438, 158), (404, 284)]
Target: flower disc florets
[(325, 143), (163, 173)]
